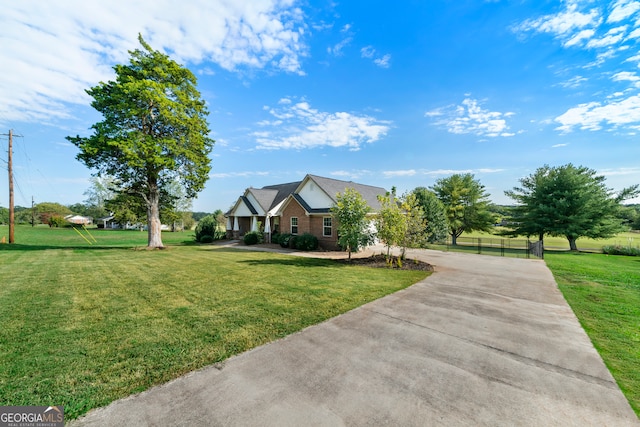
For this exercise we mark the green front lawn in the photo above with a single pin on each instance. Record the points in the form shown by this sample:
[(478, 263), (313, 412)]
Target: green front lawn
[(604, 293), (85, 325)]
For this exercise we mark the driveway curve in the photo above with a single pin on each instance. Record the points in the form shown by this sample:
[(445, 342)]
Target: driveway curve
[(484, 341)]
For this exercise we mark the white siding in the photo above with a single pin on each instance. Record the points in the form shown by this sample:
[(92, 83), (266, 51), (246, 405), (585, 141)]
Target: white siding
[(242, 210), (314, 196)]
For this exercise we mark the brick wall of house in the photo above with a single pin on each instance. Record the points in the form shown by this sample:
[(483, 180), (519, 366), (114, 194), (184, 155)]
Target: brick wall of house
[(317, 229), (308, 224), (294, 209)]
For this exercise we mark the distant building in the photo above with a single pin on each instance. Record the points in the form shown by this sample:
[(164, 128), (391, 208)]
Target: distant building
[(79, 219)]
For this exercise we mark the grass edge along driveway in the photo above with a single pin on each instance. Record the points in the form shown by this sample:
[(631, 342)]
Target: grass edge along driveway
[(604, 293), (84, 327)]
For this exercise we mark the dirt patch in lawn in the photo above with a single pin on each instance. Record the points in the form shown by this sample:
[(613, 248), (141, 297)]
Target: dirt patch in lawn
[(381, 261)]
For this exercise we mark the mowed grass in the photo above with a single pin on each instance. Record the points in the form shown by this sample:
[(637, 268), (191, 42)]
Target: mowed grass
[(561, 243), (85, 325), (604, 293)]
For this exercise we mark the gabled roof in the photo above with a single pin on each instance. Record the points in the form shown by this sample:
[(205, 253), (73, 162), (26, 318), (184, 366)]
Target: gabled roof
[(273, 198), (334, 186), (281, 193), (268, 197)]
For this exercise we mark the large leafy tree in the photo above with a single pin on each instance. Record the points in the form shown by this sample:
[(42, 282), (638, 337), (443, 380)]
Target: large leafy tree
[(436, 228), (466, 204), (569, 201), (154, 131), (353, 226)]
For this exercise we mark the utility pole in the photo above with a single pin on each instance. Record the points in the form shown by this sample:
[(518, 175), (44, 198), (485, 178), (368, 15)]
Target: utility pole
[(11, 209), (11, 203), (33, 213)]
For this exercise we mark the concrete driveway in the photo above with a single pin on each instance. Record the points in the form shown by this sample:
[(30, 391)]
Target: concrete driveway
[(483, 341)]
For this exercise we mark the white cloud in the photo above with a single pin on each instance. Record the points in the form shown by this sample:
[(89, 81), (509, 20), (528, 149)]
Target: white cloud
[(436, 172), (605, 41), (370, 53), (357, 174), (559, 145), (594, 115), (573, 82), (622, 10), (306, 127), (625, 76), (337, 49), (471, 118), (634, 34), (579, 37), (367, 52), (57, 50), (383, 62), (391, 174), (620, 171), (562, 23)]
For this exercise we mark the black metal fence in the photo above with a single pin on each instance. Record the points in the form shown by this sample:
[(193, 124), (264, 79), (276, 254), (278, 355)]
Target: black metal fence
[(524, 248)]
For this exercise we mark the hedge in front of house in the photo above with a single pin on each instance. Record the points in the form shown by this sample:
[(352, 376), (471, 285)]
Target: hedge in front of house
[(306, 242)]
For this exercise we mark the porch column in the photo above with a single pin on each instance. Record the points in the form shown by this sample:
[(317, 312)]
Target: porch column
[(236, 228), (228, 232), (254, 224), (267, 229)]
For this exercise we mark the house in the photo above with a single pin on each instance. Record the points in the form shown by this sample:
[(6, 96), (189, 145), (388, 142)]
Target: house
[(107, 222), (296, 208), (79, 219)]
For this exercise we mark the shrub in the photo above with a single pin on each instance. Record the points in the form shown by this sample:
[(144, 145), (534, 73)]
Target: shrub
[(306, 242), (208, 226), (206, 238), (252, 237), (621, 250), (275, 238), (283, 239), (57, 221)]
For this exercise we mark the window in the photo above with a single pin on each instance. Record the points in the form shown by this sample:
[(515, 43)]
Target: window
[(294, 225), (326, 226)]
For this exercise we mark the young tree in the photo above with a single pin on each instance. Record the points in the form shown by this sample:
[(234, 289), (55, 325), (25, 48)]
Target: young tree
[(567, 201), (390, 222), (436, 228), (351, 211), (154, 130), (466, 204), (415, 225)]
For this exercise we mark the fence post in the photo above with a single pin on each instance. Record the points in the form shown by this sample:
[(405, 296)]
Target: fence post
[(502, 247), (528, 248), (479, 245)]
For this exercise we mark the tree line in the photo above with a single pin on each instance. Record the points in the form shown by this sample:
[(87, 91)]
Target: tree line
[(568, 201)]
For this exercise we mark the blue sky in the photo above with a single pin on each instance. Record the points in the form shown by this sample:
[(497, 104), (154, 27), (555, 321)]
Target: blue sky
[(384, 94)]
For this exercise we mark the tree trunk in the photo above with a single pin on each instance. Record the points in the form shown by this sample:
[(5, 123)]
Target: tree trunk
[(572, 243), (153, 217), (454, 239)]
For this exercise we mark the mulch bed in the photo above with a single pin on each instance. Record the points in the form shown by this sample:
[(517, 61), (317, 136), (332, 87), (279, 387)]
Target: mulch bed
[(380, 261)]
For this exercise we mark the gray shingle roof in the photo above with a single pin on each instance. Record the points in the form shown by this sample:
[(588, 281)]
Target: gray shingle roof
[(271, 195), (334, 186), (283, 191)]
